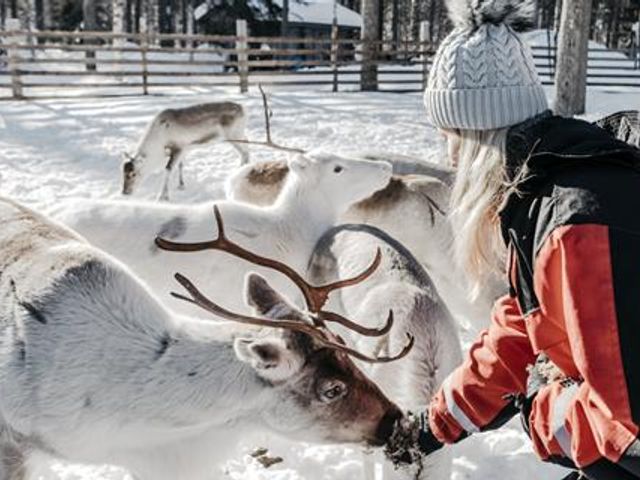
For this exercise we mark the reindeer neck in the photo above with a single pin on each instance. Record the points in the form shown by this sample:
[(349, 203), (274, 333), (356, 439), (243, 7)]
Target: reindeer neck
[(196, 381), (175, 372), (153, 144), (305, 211)]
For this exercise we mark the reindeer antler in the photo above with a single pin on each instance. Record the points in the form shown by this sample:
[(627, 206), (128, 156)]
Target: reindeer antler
[(315, 296), (267, 123), (199, 299)]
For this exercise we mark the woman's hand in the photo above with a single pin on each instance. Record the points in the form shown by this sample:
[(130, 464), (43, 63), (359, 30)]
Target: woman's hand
[(411, 440)]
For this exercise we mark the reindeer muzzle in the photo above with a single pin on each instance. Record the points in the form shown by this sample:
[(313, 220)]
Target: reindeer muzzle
[(386, 426)]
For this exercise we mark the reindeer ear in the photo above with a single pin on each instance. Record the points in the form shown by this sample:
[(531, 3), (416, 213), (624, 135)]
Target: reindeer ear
[(265, 300), (270, 357), (299, 164)]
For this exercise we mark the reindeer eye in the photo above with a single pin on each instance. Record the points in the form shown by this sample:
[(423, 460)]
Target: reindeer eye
[(333, 391), (337, 169)]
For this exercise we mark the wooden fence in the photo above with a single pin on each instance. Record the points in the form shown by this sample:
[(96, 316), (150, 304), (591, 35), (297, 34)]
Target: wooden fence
[(50, 63), (54, 63)]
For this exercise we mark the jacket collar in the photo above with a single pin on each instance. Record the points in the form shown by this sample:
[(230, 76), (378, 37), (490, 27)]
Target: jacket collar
[(546, 144)]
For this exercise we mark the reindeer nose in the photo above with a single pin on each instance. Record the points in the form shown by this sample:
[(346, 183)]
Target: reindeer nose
[(386, 425)]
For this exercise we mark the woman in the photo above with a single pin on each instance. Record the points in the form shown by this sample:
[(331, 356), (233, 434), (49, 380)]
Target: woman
[(556, 201)]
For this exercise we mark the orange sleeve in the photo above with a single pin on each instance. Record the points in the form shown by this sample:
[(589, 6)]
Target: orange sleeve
[(585, 281), (475, 395)]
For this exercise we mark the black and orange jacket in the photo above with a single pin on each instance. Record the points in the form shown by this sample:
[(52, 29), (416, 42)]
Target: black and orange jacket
[(572, 226)]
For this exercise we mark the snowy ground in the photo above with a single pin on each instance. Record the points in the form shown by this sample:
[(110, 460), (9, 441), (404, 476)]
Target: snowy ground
[(51, 150)]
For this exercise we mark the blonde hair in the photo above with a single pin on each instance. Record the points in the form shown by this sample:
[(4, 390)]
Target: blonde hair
[(478, 192)]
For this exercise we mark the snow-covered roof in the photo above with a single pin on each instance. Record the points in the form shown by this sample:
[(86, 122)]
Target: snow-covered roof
[(321, 12), (318, 12)]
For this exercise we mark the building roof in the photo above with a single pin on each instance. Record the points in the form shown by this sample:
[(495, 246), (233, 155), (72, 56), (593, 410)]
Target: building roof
[(321, 12), (318, 12)]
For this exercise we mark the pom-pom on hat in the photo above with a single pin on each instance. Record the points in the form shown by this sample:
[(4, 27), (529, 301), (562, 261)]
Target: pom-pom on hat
[(483, 76)]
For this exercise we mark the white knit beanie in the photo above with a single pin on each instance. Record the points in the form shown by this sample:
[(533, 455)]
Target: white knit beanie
[(483, 76)]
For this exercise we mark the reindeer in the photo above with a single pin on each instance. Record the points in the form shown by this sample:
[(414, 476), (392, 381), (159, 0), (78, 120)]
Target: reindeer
[(411, 209), (173, 132), (318, 192), (402, 284), (94, 369)]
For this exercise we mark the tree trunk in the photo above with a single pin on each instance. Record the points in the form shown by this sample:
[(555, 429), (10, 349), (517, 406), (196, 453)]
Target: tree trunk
[(395, 25), (614, 25), (284, 27), (557, 15), (118, 12), (415, 19), (152, 16), (3, 13), (189, 18), (573, 50), (90, 21), (370, 37)]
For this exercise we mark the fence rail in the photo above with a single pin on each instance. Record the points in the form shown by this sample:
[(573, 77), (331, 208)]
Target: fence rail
[(54, 63)]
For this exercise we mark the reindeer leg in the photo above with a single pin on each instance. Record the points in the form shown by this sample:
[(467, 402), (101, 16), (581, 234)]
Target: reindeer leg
[(12, 462), (244, 152), (164, 193), (174, 155), (241, 148), (181, 175)]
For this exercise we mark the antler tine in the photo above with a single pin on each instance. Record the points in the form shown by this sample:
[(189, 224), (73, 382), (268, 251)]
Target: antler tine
[(199, 299), (361, 277), (267, 113), (315, 296), (365, 358), (273, 145), (267, 125), (345, 322)]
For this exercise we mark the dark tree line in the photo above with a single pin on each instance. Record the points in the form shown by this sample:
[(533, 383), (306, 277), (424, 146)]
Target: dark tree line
[(165, 16), (611, 20)]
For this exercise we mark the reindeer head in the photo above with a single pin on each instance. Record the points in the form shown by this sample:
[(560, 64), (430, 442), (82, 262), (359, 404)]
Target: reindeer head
[(340, 181), (321, 393), (130, 172)]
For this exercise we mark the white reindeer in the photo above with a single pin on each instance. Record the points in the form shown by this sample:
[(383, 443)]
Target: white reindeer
[(94, 369), (411, 208), (402, 284), (171, 134), (320, 189)]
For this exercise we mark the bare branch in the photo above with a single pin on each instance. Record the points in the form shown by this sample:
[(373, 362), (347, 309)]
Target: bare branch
[(267, 125)]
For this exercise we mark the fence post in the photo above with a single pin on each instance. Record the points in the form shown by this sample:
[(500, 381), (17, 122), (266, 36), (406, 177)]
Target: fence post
[(13, 25), (242, 55), (424, 36), (144, 44), (334, 56)]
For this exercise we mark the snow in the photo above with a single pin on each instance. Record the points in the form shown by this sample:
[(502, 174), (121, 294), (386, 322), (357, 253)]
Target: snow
[(70, 148), (604, 66)]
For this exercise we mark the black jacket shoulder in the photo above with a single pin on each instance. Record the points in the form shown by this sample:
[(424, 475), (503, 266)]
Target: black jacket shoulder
[(564, 172)]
